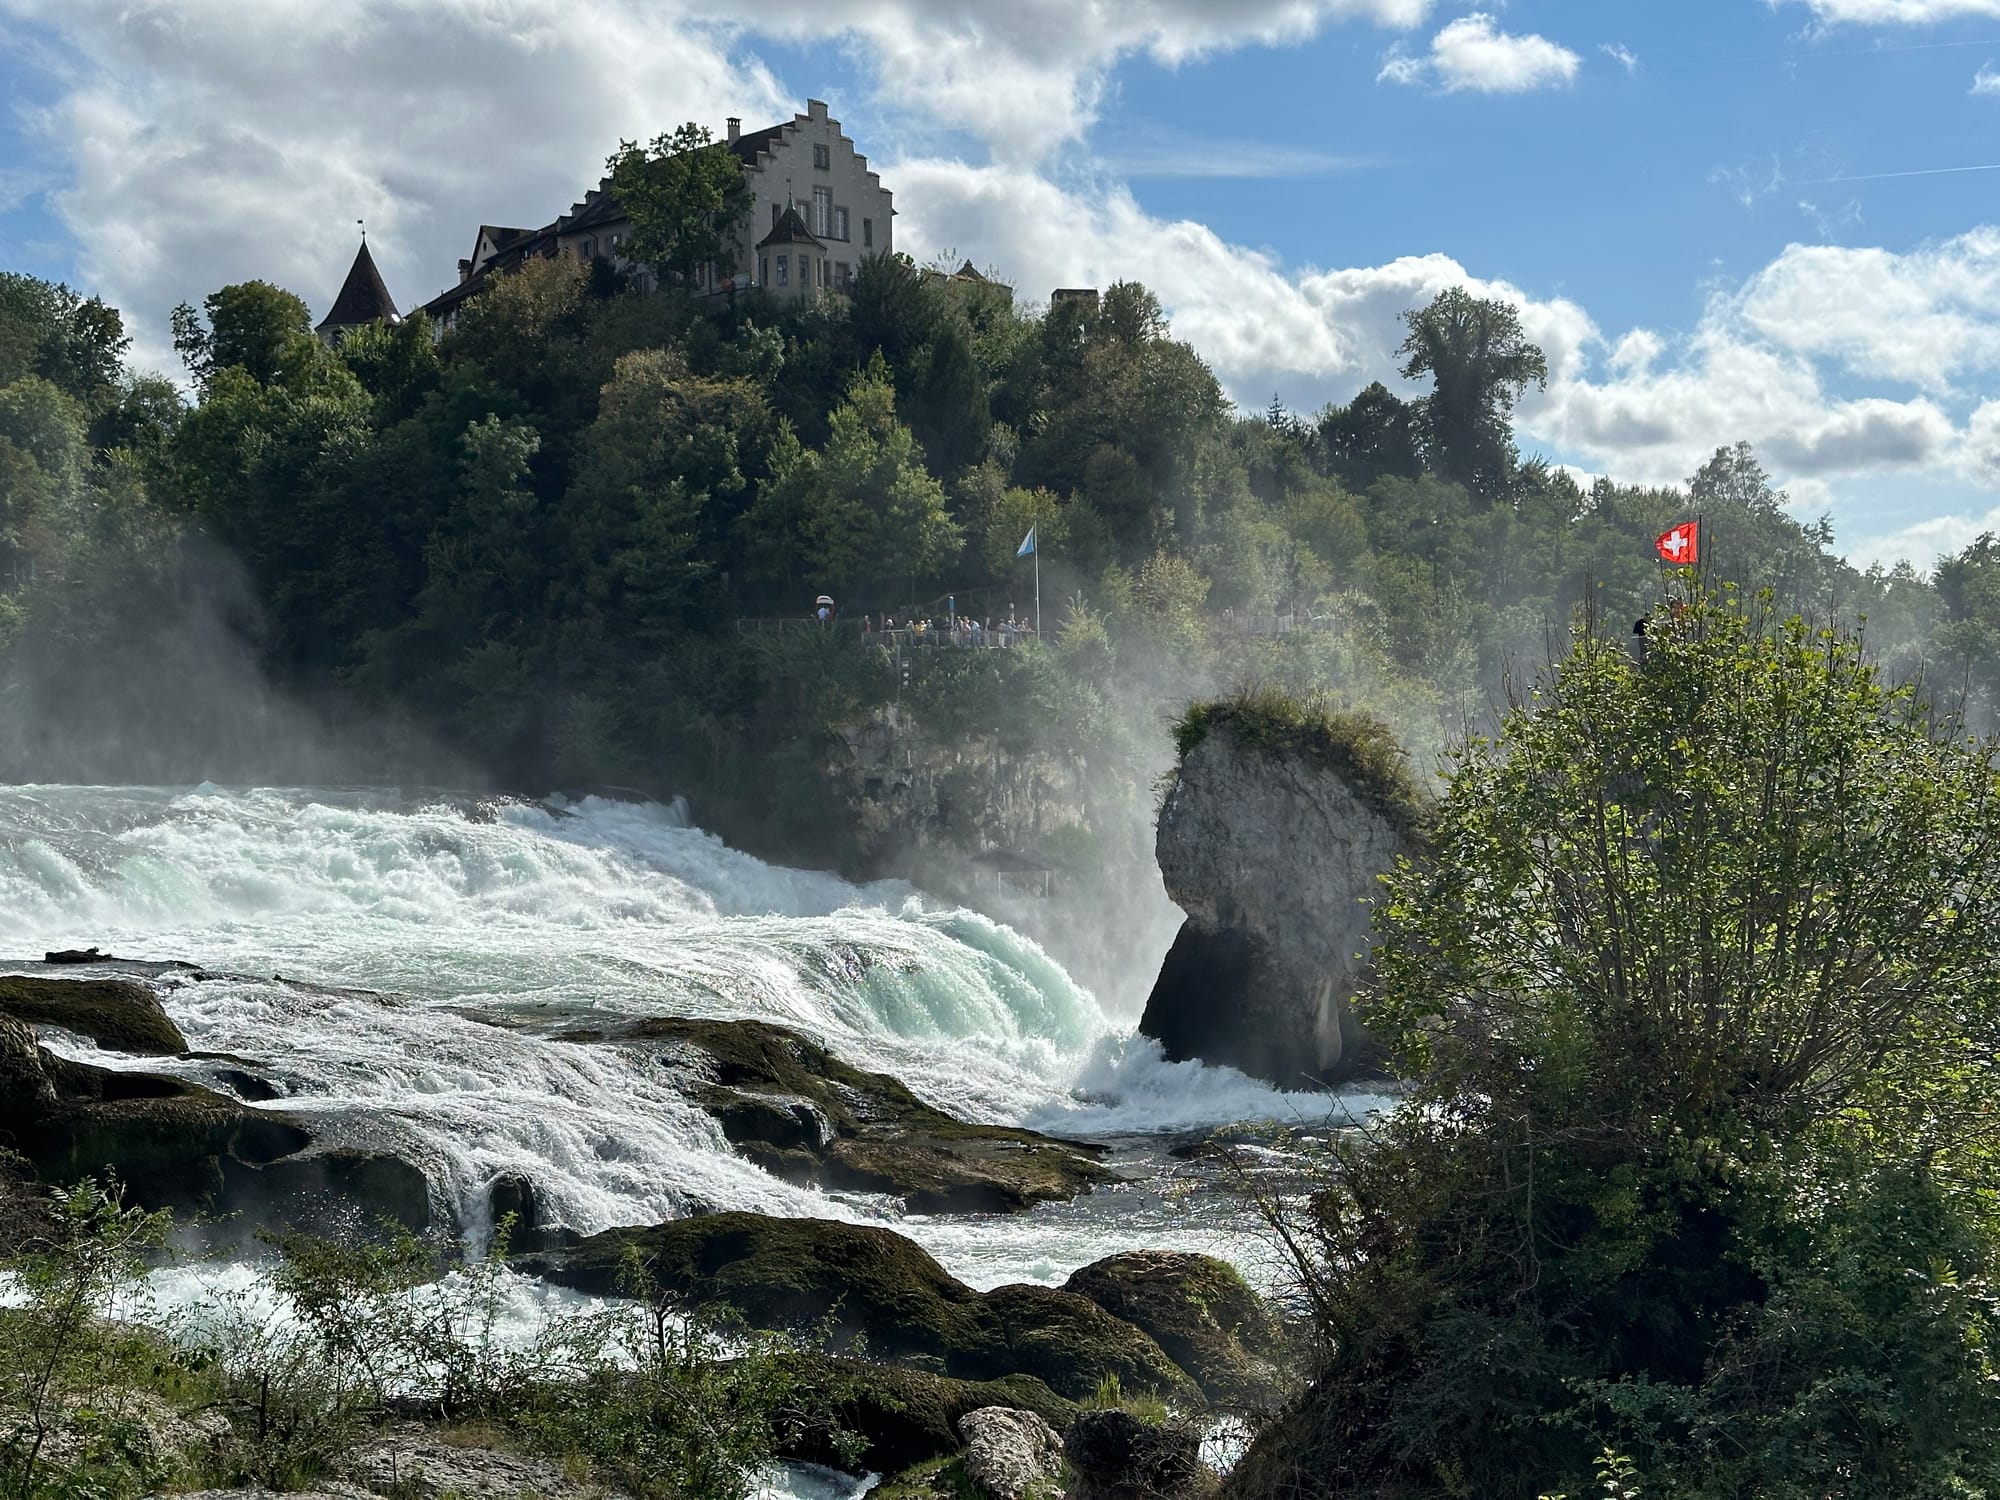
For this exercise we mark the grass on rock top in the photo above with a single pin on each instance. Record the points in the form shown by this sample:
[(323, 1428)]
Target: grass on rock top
[(1359, 747)]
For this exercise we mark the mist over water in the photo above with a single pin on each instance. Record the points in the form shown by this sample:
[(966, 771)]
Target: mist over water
[(404, 971)]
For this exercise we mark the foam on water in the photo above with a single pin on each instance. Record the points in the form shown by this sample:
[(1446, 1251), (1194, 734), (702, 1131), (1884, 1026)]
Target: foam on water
[(430, 958)]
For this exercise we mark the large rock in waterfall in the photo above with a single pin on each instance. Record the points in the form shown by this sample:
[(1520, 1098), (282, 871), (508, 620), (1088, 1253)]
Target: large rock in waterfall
[(861, 1283), (168, 1141), (1275, 828), (803, 1115)]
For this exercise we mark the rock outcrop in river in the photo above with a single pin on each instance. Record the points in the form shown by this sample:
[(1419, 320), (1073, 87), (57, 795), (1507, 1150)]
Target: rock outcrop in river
[(1278, 822)]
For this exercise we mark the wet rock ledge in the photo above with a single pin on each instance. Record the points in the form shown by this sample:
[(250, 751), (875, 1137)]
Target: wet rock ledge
[(808, 1118)]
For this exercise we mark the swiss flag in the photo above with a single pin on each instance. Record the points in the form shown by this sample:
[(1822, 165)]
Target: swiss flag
[(1680, 545)]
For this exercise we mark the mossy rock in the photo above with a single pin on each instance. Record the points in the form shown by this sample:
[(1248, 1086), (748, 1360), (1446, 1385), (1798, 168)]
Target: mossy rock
[(805, 1116), (863, 1283), (910, 1417), (120, 1014), (174, 1144), (1201, 1312), (1359, 747)]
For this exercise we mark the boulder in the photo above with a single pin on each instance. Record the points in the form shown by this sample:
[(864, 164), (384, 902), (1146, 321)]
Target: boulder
[(174, 1144), (1201, 1312), (120, 1014), (805, 1116), (1277, 824), (164, 1138), (329, 1191), (1008, 1453), (860, 1282), (414, 1463), (906, 1417), (1118, 1456)]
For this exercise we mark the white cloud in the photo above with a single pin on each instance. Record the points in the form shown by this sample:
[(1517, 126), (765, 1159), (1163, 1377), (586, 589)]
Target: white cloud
[(1924, 317), (212, 140), (1644, 405), (1986, 80), (1621, 54), (1897, 12), (1472, 54), (1029, 75)]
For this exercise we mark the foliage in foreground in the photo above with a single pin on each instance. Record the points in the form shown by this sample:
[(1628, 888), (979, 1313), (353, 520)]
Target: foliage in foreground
[(1698, 993), (102, 1396)]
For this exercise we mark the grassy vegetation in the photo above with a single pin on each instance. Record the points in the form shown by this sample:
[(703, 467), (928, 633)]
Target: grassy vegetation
[(1358, 747), (101, 1397)]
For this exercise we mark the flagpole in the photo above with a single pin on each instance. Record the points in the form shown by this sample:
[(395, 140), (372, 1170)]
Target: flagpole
[(1038, 588)]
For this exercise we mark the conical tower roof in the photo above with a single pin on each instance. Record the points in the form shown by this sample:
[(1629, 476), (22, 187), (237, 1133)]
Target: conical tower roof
[(790, 230), (363, 296)]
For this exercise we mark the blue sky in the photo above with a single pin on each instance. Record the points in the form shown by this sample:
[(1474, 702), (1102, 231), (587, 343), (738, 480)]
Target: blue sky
[(1723, 218)]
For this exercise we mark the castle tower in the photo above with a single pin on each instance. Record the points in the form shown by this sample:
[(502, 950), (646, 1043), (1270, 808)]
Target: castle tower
[(363, 299)]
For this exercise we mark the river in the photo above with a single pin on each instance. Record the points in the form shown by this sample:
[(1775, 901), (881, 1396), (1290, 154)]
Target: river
[(400, 965)]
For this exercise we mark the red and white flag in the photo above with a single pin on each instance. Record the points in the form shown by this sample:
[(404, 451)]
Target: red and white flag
[(1680, 545)]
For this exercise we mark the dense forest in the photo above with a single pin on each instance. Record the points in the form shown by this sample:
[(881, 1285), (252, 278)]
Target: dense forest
[(533, 539)]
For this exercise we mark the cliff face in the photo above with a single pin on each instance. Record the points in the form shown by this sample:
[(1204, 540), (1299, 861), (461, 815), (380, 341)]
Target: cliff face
[(934, 809), (1273, 851)]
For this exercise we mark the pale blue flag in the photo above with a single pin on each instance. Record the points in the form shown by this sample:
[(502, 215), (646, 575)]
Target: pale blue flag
[(1027, 544)]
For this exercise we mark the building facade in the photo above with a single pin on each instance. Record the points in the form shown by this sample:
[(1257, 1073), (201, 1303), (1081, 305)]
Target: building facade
[(816, 210)]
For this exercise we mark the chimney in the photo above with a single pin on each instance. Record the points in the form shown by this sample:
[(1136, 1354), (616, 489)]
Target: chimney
[(735, 129)]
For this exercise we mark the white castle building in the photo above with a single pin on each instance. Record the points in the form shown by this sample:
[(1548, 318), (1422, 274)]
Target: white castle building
[(816, 211)]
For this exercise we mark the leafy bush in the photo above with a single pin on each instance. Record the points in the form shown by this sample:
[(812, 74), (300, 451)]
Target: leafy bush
[(1697, 992), (59, 1357), (664, 1402)]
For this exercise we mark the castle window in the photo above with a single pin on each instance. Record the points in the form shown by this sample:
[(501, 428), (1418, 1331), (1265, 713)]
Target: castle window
[(821, 157), (784, 276), (843, 273), (764, 275), (867, 232), (840, 223), (775, 211), (822, 211)]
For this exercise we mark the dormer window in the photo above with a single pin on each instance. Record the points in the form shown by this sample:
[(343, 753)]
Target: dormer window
[(822, 157)]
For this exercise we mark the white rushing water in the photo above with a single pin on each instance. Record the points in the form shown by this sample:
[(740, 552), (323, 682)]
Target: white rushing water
[(402, 971)]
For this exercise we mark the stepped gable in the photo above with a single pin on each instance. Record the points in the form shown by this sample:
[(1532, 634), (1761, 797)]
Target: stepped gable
[(364, 297), (749, 147)]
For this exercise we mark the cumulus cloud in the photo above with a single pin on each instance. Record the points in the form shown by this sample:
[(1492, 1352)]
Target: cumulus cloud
[(210, 141), (1473, 54), (1986, 80), (1644, 405), (1621, 54), (1924, 317)]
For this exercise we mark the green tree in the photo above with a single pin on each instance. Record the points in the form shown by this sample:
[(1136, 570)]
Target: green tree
[(76, 343), (686, 197), (666, 469), (863, 515), (1696, 992), (252, 326), (1479, 362)]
